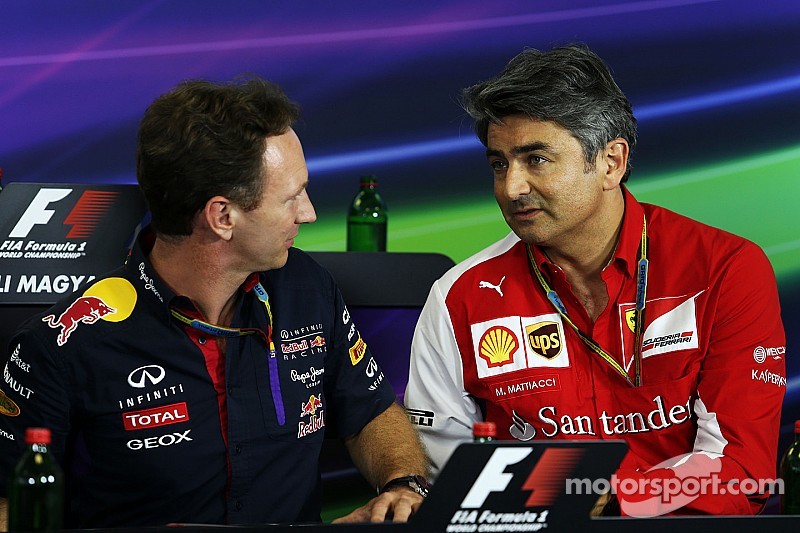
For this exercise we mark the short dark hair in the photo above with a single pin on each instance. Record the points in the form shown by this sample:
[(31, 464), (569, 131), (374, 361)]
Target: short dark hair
[(568, 85), (204, 139)]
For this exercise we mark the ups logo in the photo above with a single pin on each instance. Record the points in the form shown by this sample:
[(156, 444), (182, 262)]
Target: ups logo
[(544, 339)]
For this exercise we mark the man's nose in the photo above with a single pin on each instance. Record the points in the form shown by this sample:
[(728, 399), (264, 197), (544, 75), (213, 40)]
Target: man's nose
[(516, 183), (306, 214)]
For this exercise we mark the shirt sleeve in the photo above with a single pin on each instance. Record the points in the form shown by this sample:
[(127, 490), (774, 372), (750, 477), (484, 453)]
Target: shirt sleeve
[(742, 382), (740, 390), (357, 384), (33, 393), (435, 396)]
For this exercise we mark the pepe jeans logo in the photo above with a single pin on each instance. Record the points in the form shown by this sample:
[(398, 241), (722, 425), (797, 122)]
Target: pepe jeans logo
[(144, 374), (149, 284)]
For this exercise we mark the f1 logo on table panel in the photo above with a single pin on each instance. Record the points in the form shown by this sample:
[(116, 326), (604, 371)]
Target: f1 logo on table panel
[(545, 481)]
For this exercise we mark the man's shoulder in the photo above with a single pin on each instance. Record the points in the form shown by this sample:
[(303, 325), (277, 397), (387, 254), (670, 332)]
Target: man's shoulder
[(493, 259), (110, 298), (682, 231)]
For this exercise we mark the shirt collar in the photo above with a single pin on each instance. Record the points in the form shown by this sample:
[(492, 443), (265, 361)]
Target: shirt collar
[(140, 272), (626, 252), (630, 235), (142, 275)]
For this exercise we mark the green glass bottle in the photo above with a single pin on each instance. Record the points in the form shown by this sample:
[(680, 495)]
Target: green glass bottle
[(366, 219), (484, 432), (790, 473), (36, 491)]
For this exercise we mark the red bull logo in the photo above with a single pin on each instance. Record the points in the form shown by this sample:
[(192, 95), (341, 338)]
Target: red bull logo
[(310, 407), (316, 422), (87, 310), (318, 341)]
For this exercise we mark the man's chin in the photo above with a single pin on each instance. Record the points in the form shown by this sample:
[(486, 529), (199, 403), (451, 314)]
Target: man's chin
[(278, 261)]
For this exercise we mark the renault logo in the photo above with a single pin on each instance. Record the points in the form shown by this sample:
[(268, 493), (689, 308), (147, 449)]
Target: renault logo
[(139, 377)]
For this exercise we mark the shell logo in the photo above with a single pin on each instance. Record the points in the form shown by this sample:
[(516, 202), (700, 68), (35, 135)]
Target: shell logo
[(497, 346)]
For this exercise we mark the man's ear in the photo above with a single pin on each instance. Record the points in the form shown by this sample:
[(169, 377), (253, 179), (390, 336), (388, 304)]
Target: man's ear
[(615, 157), (218, 215)]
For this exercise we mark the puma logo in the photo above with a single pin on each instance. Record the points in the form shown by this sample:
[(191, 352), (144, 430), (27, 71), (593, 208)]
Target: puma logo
[(487, 285)]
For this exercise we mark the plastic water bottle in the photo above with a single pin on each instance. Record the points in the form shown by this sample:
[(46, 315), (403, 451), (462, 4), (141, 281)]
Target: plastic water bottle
[(36, 491), (366, 219), (484, 432), (790, 473)]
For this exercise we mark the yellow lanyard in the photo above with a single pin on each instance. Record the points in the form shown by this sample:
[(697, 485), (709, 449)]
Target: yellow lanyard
[(222, 331), (638, 328)]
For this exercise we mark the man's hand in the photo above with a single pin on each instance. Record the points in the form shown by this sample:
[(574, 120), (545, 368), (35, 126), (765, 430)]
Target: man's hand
[(395, 505)]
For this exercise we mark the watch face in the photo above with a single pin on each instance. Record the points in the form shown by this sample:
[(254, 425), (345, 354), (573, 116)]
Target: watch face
[(416, 483), (422, 486)]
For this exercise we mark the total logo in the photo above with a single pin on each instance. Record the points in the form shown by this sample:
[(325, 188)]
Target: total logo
[(158, 416), (110, 299), (316, 422)]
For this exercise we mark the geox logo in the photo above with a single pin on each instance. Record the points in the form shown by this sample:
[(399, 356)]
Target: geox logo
[(544, 339), (498, 345)]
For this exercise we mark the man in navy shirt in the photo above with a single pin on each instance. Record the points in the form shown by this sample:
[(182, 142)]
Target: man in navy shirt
[(196, 383)]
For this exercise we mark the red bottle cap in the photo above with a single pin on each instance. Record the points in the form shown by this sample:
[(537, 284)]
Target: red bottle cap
[(37, 436), (484, 429), (797, 426)]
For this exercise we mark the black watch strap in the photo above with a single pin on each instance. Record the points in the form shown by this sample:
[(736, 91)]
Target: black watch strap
[(416, 483)]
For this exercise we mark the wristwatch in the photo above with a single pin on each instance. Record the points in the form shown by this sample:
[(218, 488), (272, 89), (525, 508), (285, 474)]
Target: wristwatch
[(416, 483)]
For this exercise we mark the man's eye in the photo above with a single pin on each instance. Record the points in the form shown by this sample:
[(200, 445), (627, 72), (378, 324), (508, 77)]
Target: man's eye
[(498, 165), (536, 160)]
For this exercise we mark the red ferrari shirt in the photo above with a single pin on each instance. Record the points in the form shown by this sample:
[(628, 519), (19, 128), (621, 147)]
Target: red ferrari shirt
[(490, 345)]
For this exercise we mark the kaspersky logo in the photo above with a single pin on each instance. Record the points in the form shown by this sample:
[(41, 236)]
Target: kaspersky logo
[(84, 217)]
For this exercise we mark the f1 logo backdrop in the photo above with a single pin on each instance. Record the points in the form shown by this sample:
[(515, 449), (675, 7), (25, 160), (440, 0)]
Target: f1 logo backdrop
[(56, 237)]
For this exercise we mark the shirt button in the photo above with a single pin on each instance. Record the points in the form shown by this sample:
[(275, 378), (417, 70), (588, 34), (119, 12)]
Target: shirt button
[(238, 506), (201, 340), (230, 391), (238, 448)]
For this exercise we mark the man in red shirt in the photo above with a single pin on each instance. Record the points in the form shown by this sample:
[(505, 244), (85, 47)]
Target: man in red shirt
[(600, 317)]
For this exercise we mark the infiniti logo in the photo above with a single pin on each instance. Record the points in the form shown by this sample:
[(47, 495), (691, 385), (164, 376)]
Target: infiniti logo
[(139, 377), (372, 367)]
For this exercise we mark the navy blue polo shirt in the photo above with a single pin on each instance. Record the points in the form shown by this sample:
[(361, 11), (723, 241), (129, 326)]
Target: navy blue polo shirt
[(155, 425)]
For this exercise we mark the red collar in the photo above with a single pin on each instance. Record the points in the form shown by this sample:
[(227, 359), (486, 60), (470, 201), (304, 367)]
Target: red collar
[(628, 244)]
